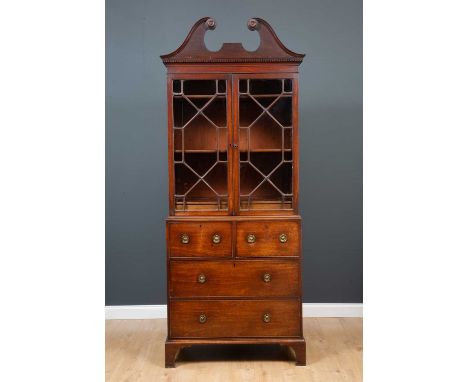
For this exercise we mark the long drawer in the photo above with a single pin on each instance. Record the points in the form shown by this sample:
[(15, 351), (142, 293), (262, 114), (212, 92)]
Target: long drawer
[(268, 238), (226, 278), (235, 318)]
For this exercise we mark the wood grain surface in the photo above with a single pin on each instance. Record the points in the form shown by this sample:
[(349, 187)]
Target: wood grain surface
[(235, 318), (267, 241), (241, 278), (200, 235)]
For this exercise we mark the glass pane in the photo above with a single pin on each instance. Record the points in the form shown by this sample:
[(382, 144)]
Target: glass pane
[(266, 86), (243, 86), (215, 111), (251, 178), (266, 135), (265, 144), (176, 87), (183, 111), (199, 87), (221, 86), (281, 110), (266, 162), (200, 145), (249, 111)]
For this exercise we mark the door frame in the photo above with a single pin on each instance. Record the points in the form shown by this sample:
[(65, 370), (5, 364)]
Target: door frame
[(170, 135), (295, 142)]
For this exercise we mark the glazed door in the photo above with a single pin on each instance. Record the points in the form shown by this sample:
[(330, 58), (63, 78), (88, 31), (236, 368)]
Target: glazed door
[(233, 144), (265, 124), (199, 144)]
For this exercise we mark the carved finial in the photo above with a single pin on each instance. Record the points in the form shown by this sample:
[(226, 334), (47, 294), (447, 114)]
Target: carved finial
[(252, 24), (211, 23)]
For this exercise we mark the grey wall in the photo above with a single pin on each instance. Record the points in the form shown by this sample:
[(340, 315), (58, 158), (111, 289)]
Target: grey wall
[(330, 33)]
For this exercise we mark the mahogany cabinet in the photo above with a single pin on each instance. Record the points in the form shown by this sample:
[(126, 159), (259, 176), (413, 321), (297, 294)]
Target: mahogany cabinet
[(234, 232)]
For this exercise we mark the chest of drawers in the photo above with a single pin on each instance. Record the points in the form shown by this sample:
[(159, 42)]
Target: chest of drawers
[(233, 234), (235, 279)]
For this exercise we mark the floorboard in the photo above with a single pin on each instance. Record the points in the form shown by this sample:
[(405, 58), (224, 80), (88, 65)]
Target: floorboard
[(135, 353)]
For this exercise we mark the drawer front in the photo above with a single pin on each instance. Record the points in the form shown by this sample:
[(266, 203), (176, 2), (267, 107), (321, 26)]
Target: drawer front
[(268, 238), (235, 318), (200, 239), (245, 278)]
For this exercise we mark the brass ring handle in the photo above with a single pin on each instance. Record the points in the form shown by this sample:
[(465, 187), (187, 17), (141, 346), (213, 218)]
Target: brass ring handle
[(202, 318), (251, 238), (283, 238), (184, 238), (266, 317), (216, 238), (201, 278), (267, 277)]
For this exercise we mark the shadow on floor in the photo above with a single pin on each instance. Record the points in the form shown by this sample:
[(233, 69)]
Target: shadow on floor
[(235, 352)]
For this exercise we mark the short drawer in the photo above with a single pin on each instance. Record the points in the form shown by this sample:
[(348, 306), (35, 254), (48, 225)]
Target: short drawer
[(200, 239), (235, 318), (243, 278), (268, 238)]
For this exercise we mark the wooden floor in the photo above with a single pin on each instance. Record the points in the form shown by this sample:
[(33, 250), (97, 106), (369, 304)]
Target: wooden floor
[(135, 353)]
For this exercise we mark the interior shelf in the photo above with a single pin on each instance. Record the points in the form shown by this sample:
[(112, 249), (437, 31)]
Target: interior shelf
[(198, 96), (267, 95), (214, 150), (190, 151), (265, 205), (265, 150)]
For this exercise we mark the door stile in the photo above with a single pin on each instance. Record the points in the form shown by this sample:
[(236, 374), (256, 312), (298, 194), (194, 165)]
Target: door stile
[(231, 151), (235, 143)]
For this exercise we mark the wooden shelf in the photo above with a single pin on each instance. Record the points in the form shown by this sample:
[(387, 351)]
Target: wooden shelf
[(266, 205), (265, 95), (199, 96), (204, 151), (265, 150), (212, 206), (223, 151), (201, 206)]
